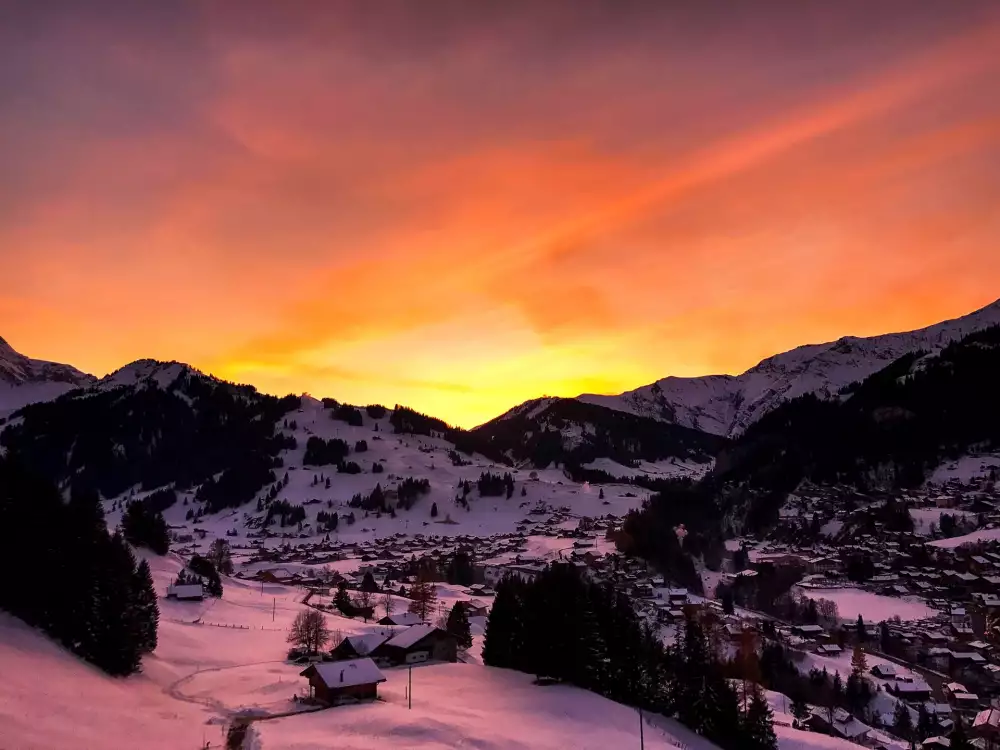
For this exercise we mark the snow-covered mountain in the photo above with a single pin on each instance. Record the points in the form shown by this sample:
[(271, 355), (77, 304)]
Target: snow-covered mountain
[(728, 404), (24, 380)]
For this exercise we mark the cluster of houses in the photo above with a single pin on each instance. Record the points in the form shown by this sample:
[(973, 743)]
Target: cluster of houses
[(354, 667)]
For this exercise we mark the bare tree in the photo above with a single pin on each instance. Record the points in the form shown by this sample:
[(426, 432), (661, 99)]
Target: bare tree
[(387, 603), (220, 556), (365, 603), (424, 596), (336, 638), (309, 630)]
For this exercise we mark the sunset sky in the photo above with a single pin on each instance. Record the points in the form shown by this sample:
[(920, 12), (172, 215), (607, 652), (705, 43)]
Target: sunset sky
[(461, 205)]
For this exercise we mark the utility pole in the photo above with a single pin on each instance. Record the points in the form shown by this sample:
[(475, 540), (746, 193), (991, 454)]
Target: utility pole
[(642, 739), (409, 691)]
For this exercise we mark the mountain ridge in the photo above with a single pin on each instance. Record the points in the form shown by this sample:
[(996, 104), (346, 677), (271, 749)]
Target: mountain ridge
[(728, 404), (24, 380)]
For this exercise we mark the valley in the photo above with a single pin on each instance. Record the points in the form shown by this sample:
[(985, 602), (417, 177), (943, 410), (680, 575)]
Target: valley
[(314, 506)]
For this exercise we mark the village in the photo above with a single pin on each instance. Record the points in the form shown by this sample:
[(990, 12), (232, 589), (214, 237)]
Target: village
[(922, 607)]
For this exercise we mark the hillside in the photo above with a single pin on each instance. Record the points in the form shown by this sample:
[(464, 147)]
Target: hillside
[(24, 380), (564, 430), (891, 430), (201, 675), (150, 424), (729, 404)]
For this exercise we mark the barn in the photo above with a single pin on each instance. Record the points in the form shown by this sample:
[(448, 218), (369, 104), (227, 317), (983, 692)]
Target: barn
[(339, 682), (416, 644)]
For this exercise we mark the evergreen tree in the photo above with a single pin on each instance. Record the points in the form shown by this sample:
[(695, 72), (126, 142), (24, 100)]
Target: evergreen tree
[(148, 611), (434, 510), (504, 633), (458, 625), (758, 724), (902, 722), (958, 738), (118, 642), (926, 727), (800, 709), (206, 572), (145, 528), (342, 600), (368, 583), (862, 631), (885, 638), (95, 615), (859, 665)]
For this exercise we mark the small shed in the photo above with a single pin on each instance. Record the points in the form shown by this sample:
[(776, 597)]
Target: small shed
[(344, 681), (186, 592)]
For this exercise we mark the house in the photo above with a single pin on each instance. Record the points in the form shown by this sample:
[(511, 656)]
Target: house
[(829, 649), (355, 646), (986, 725), (843, 725), (186, 592), (339, 682), (416, 644), (885, 671), (475, 608), (403, 619), (809, 631), (910, 689), (936, 743)]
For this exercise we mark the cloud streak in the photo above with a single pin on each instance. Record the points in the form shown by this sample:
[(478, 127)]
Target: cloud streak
[(459, 211)]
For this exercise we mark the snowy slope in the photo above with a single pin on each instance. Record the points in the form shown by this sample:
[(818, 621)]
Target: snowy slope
[(727, 405), (147, 372), (233, 661), (403, 456), (24, 380), (463, 705)]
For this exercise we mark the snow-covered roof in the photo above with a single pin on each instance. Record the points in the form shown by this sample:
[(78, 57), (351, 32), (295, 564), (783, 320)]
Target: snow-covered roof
[(347, 673), (989, 717), (365, 644), (404, 618), (411, 635), (186, 591)]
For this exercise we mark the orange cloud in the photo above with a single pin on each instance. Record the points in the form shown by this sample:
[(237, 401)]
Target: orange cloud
[(346, 208)]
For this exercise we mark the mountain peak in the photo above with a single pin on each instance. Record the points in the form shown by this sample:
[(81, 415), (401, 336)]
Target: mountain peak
[(152, 371), (24, 380)]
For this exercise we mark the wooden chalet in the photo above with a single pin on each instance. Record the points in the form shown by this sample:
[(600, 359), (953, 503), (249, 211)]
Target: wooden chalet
[(340, 682)]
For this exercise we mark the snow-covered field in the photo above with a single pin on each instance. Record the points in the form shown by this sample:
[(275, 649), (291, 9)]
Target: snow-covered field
[(872, 607), (983, 535), (924, 517), (463, 705), (668, 468), (965, 468), (202, 674)]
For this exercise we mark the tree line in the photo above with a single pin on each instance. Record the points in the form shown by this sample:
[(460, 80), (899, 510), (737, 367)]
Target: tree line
[(97, 601), (559, 627), (181, 434)]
